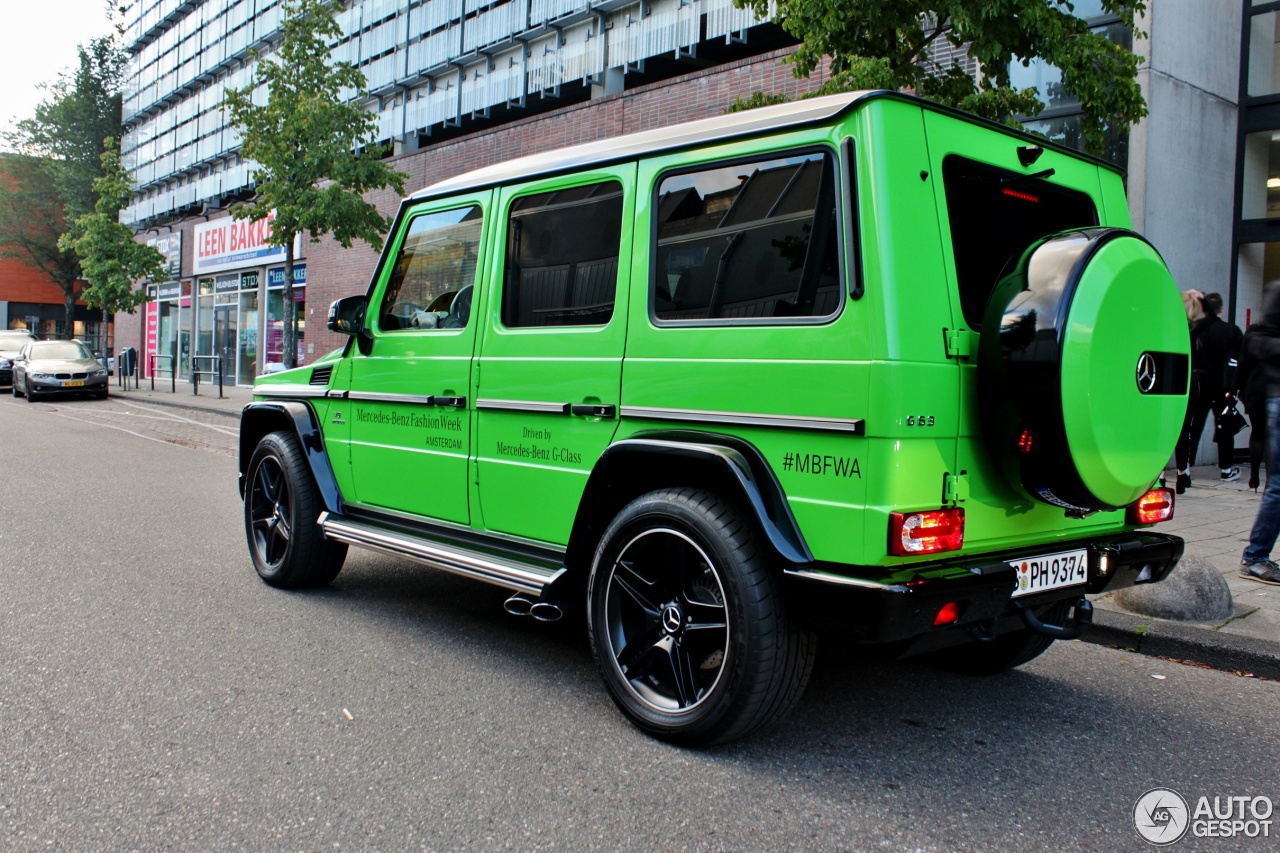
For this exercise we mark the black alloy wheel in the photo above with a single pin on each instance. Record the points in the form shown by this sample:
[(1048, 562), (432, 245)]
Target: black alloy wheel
[(668, 625), (281, 507), (688, 627), (272, 513)]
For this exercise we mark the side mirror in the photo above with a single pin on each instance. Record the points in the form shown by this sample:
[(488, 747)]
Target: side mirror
[(346, 316)]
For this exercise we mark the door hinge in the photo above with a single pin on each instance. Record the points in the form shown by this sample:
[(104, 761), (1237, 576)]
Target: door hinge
[(960, 343), (955, 487)]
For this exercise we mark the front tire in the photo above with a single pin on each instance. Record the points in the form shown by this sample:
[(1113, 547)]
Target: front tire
[(688, 626), (29, 393), (281, 505)]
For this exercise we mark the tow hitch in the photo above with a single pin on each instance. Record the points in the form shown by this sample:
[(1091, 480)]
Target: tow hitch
[(1081, 619)]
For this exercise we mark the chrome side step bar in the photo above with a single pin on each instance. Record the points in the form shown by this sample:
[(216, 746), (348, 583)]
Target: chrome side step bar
[(510, 574)]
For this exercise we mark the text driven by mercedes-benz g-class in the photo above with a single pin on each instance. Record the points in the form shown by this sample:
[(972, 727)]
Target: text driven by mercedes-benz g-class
[(856, 365)]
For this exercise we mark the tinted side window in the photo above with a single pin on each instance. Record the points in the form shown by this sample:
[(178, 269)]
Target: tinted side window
[(748, 240), (995, 215), (562, 257), (431, 284)]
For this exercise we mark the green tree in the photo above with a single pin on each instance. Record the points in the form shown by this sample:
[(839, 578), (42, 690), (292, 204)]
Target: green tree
[(303, 139), (110, 259), (874, 44), (56, 159), (31, 221)]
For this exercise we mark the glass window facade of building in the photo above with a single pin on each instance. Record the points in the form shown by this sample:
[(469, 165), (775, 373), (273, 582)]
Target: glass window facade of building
[(428, 64), (1060, 120), (1258, 164)]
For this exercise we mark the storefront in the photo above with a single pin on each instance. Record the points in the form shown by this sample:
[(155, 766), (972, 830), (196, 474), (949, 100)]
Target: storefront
[(212, 322)]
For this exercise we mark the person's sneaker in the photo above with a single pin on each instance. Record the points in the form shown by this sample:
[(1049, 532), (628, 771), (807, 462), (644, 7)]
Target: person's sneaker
[(1232, 473), (1184, 482), (1262, 571)]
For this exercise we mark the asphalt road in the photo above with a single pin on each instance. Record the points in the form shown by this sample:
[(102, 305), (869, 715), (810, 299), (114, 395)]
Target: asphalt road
[(155, 695)]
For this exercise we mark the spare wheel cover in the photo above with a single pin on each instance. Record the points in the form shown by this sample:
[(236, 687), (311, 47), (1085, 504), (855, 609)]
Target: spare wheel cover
[(1083, 368)]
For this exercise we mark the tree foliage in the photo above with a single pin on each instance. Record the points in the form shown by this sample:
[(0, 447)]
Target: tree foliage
[(303, 137), (874, 44), (49, 177), (110, 259)]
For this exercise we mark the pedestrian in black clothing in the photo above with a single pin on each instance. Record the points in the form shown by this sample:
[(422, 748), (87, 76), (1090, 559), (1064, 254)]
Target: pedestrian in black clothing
[(1215, 349), (1251, 388)]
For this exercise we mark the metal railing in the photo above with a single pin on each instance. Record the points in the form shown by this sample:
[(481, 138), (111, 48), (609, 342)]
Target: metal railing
[(216, 370), (173, 374)]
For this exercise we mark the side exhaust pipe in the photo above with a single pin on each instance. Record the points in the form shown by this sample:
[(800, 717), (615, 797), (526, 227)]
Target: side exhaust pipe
[(543, 611), (546, 612), (518, 605)]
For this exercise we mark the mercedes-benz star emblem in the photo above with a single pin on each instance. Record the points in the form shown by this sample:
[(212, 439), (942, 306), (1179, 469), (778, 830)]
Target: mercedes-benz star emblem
[(1146, 373), (671, 619)]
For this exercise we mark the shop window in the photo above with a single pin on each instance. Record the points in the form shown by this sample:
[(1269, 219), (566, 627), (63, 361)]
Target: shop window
[(748, 241), (430, 285), (562, 257)]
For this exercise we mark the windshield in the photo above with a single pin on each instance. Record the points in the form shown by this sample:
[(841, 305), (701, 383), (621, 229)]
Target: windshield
[(58, 349)]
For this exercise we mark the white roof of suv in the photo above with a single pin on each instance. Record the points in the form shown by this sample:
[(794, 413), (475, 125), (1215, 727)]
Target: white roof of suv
[(731, 126)]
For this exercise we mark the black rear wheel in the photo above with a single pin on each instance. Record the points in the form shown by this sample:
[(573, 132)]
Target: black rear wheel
[(688, 627), (281, 506)]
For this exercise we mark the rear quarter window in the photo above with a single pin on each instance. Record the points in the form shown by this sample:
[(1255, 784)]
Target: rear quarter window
[(748, 241), (995, 214)]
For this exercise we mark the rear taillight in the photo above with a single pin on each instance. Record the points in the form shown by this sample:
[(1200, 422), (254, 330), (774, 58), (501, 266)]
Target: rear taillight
[(1155, 506), (913, 533)]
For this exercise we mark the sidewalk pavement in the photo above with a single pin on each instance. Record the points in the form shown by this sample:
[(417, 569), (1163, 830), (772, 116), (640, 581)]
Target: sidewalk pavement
[(1213, 517), (229, 405)]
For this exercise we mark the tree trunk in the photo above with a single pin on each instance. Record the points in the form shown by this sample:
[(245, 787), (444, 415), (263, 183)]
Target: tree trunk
[(69, 304), (290, 311), (105, 343)]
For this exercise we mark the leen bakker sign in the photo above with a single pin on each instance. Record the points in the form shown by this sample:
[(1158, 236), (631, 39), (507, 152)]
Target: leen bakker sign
[(232, 244)]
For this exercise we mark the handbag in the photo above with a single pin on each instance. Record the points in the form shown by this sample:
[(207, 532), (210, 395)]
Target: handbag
[(1227, 421)]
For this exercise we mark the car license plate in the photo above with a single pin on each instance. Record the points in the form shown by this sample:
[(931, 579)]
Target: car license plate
[(1051, 571), (75, 383)]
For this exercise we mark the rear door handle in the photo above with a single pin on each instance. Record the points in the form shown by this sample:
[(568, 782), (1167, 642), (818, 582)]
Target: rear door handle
[(592, 410)]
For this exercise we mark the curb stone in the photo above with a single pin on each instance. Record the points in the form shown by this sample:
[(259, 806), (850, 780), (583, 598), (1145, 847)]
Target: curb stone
[(1162, 638)]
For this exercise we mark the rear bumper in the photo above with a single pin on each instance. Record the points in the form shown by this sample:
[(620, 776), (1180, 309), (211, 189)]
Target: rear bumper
[(872, 611)]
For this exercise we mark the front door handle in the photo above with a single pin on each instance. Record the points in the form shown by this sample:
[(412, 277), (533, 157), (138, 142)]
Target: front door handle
[(594, 410), (454, 402)]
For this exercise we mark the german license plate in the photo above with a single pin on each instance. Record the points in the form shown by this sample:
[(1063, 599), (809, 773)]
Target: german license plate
[(74, 383), (1051, 571)]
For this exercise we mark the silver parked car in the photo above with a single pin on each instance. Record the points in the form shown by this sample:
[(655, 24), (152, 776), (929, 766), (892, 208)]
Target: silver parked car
[(11, 343), (57, 367)]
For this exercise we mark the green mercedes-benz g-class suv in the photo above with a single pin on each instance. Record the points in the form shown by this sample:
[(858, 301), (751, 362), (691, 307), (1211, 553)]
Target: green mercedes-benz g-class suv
[(858, 363)]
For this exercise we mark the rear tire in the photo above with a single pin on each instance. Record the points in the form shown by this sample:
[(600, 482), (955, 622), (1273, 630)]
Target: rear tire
[(281, 506), (688, 626), (1005, 652)]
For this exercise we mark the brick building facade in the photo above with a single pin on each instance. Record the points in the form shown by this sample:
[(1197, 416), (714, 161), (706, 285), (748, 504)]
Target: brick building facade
[(333, 272)]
